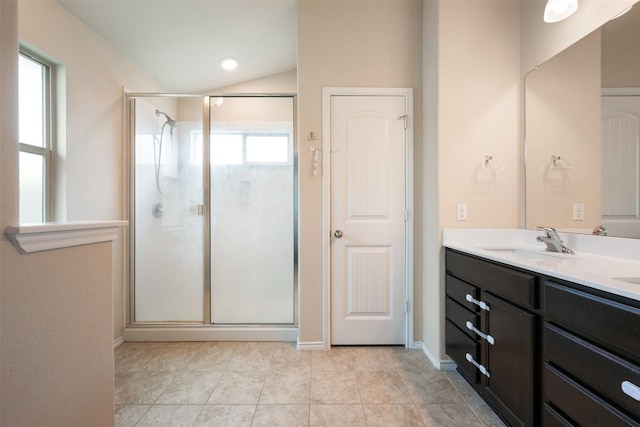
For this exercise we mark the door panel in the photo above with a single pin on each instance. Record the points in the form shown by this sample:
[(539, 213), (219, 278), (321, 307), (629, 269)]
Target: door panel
[(368, 282), (167, 230), (367, 205), (620, 173), (252, 211), (510, 360)]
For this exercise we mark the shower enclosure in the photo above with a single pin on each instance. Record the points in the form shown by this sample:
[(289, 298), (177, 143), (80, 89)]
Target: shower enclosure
[(212, 207)]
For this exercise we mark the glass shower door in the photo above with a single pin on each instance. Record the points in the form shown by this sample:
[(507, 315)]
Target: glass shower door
[(168, 226), (252, 211)]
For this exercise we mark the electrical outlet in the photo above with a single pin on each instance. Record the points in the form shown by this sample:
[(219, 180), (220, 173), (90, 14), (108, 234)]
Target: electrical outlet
[(578, 211), (461, 211)]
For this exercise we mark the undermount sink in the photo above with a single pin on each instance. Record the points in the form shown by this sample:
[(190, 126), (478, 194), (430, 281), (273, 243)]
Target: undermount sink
[(529, 253)]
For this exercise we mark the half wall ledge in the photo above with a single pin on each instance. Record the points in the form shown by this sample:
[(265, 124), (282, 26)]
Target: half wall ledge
[(52, 235)]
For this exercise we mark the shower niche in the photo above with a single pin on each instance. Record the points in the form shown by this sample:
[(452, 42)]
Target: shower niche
[(212, 212)]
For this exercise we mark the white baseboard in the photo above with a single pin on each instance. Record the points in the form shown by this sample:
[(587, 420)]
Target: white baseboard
[(441, 364), (212, 333), (312, 345), (117, 342)]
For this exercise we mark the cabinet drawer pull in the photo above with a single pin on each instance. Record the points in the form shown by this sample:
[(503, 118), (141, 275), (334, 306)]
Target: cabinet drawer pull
[(631, 390), (483, 305), (487, 337), (482, 369)]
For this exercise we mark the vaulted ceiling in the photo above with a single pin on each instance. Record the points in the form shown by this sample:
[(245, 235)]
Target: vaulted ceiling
[(180, 42)]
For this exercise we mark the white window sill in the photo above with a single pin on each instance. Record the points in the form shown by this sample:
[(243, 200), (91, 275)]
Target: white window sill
[(50, 236)]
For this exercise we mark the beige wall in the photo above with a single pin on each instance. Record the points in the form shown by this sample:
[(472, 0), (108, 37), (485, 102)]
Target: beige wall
[(429, 254), (478, 106), (347, 43), (56, 364), (541, 41), (471, 67), (277, 83), (283, 83), (471, 109), (475, 70), (621, 51), (563, 119), (92, 162)]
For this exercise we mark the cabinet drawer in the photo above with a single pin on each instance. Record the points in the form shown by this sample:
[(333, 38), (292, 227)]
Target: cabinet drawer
[(595, 368), (583, 407), (458, 345), (460, 316), (551, 418), (608, 321), (458, 290), (514, 285)]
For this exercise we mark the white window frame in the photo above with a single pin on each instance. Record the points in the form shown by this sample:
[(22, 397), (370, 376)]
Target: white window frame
[(47, 151)]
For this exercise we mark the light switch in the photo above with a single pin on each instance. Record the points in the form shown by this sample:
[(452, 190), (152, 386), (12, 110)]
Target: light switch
[(461, 211), (578, 211)]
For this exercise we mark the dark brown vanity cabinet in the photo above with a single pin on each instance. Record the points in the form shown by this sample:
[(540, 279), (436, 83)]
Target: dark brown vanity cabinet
[(543, 351), (491, 333), (591, 357)]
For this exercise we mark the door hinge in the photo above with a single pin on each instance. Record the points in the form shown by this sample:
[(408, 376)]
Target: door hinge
[(200, 210), (406, 306), (404, 117), (406, 215)]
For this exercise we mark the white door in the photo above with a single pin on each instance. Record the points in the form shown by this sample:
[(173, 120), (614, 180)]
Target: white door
[(620, 173), (368, 203)]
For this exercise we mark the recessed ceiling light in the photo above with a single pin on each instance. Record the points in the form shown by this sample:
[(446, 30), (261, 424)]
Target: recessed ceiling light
[(229, 63), (558, 10)]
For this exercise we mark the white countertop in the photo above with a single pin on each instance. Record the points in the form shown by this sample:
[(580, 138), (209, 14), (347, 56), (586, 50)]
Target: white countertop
[(599, 262)]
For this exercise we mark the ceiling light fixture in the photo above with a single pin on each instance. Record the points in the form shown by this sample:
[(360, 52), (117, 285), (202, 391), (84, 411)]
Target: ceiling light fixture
[(229, 63), (557, 10)]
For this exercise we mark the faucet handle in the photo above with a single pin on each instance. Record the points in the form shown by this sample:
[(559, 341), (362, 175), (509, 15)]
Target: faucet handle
[(550, 232), (544, 228)]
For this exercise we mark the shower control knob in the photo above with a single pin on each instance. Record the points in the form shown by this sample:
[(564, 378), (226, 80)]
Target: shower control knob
[(337, 234), (157, 209)]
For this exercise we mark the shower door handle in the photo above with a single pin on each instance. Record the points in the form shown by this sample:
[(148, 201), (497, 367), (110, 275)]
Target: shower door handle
[(337, 234)]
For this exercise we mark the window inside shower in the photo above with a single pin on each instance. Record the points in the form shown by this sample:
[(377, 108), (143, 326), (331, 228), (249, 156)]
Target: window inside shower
[(229, 261)]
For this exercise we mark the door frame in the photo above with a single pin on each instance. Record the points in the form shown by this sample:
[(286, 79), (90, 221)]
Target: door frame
[(619, 224), (327, 93)]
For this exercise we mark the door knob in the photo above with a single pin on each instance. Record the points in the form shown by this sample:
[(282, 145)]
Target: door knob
[(338, 234)]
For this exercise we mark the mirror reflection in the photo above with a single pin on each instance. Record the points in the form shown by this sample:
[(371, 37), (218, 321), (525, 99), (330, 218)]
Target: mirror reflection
[(582, 118)]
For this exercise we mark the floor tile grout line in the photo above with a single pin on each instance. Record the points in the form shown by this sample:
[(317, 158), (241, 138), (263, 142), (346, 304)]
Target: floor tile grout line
[(142, 416), (465, 400), (352, 357)]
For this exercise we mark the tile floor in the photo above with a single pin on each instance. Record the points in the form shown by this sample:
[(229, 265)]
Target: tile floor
[(273, 384)]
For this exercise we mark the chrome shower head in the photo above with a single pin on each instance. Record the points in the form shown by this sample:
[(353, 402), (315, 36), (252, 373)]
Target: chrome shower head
[(172, 123)]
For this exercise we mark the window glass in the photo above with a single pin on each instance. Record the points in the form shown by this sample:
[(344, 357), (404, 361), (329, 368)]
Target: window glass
[(32, 99), (226, 149), (267, 149), (32, 188), (251, 149), (35, 117)]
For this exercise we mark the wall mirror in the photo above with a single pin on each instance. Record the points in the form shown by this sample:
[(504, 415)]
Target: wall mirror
[(582, 127)]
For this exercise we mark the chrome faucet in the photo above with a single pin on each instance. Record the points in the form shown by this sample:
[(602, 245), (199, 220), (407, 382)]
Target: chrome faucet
[(600, 231), (552, 239)]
